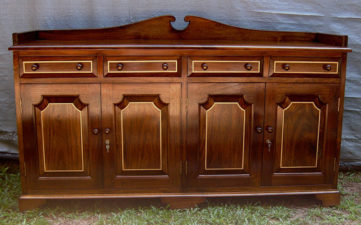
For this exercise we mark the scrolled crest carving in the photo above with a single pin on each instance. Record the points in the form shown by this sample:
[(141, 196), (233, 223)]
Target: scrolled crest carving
[(161, 28)]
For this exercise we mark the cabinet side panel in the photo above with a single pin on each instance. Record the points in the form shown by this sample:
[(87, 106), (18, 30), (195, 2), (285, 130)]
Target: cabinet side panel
[(19, 121)]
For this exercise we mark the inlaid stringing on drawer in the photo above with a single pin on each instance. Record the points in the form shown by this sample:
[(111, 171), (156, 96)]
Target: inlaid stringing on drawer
[(305, 67), (67, 66), (143, 66), (226, 66)]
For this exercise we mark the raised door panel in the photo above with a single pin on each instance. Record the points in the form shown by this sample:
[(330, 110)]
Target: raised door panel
[(61, 134), (303, 145), (59, 147), (143, 137), (223, 145), (144, 122), (223, 125), (300, 125)]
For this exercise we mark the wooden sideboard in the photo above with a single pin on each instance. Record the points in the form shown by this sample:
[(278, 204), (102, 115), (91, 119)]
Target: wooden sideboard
[(148, 111)]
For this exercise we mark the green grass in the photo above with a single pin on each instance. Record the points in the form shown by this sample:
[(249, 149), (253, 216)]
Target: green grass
[(272, 210)]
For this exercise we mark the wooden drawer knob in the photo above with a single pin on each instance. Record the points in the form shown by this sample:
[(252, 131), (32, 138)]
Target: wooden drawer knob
[(95, 131), (204, 66), (120, 66), (286, 67), (259, 129), (269, 129), (35, 67), (327, 67), (79, 66), (248, 66), (165, 66)]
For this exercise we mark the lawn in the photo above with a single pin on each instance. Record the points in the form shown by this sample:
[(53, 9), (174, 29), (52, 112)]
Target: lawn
[(266, 210)]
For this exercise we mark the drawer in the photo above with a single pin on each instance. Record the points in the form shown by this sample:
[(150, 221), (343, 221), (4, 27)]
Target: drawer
[(224, 66), (130, 66), (58, 67), (304, 67)]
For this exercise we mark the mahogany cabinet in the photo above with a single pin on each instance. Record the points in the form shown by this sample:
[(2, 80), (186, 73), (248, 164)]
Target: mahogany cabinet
[(147, 111)]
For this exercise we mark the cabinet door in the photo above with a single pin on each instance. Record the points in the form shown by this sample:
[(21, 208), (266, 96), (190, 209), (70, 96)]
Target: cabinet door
[(223, 145), (141, 148), (302, 147), (60, 151)]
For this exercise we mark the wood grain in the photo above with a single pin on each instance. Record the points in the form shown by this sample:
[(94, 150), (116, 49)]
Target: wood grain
[(50, 67), (56, 138), (61, 137), (225, 130), (223, 126), (140, 122), (149, 130), (225, 66), (142, 66), (304, 67), (300, 134)]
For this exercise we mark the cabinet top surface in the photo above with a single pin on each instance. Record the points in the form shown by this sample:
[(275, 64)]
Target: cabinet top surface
[(159, 33)]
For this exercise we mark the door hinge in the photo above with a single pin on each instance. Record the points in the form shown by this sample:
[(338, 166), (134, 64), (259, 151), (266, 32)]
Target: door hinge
[(334, 164), (24, 165), (338, 104)]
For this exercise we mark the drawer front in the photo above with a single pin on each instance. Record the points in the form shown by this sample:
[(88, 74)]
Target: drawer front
[(224, 67), (57, 67), (128, 67), (314, 68)]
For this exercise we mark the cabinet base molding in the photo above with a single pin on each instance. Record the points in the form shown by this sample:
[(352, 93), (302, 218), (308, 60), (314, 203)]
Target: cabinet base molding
[(176, 200), (30, 203), (182, 202), (329, 199)]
